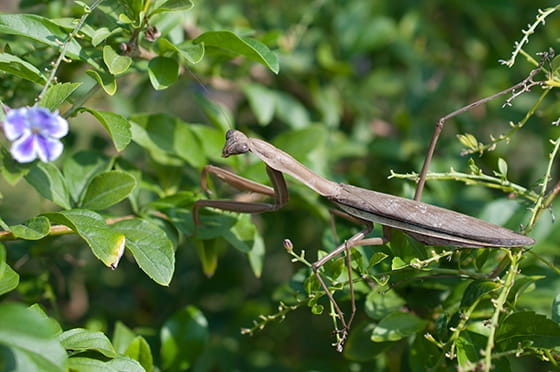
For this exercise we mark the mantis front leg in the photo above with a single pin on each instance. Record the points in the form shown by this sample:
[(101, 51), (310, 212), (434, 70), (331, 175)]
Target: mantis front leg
[(279, 191)]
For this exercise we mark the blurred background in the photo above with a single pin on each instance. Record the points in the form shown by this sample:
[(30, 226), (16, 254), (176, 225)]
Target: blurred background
[(361, 86)]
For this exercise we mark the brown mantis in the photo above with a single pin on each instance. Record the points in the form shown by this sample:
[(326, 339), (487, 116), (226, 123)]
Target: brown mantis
[(426, 223)]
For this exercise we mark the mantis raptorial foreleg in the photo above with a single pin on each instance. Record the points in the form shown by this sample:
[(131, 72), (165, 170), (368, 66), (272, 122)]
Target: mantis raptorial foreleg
[(279, 191)]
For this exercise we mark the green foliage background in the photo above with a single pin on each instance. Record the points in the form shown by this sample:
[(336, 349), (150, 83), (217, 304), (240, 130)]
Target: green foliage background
[(360, 87)]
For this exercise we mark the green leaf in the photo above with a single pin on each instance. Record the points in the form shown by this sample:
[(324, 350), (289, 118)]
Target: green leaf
[(256, 254), (18, 67), (122, 337), (127, 364), (291, 111), (468, 140), (360, 347), (556, 309), (262, 102), (116, 63), (172, 6), (397, 326), (134, 7), (57, 94), (423, 355), (397, 263), (44, 31), (218, 115), (184, 337), (107, 189), (9, 279), (468, 346), (250, 48), (163, 72), (208, 255), (193, 53), (118, 126), (30, 340), (11, 169), (502, 168), (107, 81), (79, 339), (101, 34), (34, 228), (210, 139), (48, 181), (528, 329), (3, 263), (139, 350), (150, 247), (379, 305), (166, 137), (83, 364), (476, 289), (376, 258), (106, 244), (80, 168)]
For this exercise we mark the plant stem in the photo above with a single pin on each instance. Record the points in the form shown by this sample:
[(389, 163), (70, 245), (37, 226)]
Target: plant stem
[(65, 45), (499, 304)]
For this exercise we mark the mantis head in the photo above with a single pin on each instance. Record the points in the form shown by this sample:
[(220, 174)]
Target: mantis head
[(236, 143)]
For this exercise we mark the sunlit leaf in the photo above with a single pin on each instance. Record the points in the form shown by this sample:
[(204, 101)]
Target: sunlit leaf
[(18, 67), (29, 340), (43, 31), (150, 247), (118, 127), (193, 53), (57, 94), (163, 72), (107, 81), (476, 290), (82, 339), (48, 181), (527, 328), (81, 167), (396, 326), (116, 63), (33, 229), (173, 5), (106, 244), (250, 48), (108, 188)]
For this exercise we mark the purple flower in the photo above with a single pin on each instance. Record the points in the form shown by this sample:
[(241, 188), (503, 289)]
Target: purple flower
[(35, 132)]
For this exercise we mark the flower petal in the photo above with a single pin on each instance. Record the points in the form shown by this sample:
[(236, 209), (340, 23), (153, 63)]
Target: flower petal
[(24, 150), (48, 149), (16, 123), (47, 123)]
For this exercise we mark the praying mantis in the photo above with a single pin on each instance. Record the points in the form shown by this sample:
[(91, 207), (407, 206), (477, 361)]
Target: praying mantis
[(423, 222)]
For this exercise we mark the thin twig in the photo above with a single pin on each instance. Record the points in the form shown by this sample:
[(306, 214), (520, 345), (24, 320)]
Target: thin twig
[(65, 45)]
